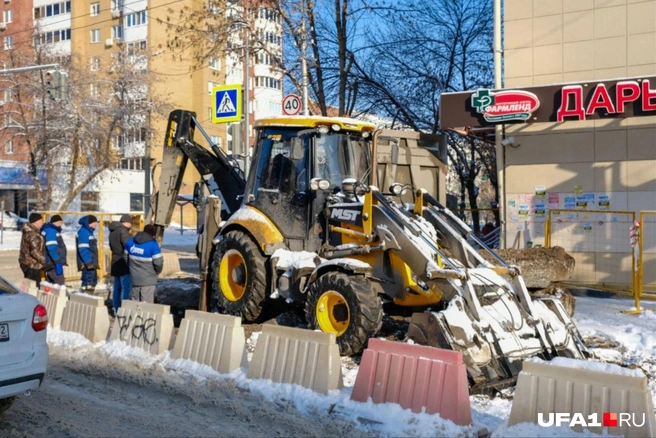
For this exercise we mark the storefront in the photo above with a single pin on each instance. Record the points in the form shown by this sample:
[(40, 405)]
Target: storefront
[(17, 189), (578, 111)]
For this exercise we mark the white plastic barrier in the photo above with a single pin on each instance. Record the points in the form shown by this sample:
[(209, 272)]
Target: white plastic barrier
[(293, 355), (144, 325), (86, 315), (54, 298), (597, 394), (211, 339), (28, 286)]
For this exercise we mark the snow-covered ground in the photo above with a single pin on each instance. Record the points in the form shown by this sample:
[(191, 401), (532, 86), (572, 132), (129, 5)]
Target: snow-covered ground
[(626, 339), (172, 237)]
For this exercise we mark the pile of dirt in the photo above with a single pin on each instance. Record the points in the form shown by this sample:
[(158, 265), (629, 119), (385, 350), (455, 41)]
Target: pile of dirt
[(539, 266)]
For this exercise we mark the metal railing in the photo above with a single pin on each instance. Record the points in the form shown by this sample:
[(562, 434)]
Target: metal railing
[(599, 241)]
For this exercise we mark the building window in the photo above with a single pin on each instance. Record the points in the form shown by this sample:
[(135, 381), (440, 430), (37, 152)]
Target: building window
[(211, 85), (10, 94), (8, 15), (136, 202), (95, 9), (89, 201), (215, 63), (117, 143), (135, 19), (117, 4), (9, 147), (9, 42), (216, 140), (52, 10), (117, 32), (93, 91), (267, 82), (9, 120), (95, 63), (95, 35), (53, 37)]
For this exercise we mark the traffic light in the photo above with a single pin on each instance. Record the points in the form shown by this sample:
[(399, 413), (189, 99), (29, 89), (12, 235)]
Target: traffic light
[(56, 84), (52, 84), (63, 86)]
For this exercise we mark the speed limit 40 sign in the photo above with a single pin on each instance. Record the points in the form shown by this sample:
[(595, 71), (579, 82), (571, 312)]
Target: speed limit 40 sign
[(291, 105)]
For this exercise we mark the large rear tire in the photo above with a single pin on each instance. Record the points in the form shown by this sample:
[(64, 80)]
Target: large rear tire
[(346, 305), (239, 276)]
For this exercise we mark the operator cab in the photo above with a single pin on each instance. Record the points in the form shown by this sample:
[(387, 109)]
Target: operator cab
[(298, 163)]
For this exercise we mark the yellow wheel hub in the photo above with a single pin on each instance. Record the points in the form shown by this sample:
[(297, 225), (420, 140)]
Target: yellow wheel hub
[(333, 313), (232, 275)]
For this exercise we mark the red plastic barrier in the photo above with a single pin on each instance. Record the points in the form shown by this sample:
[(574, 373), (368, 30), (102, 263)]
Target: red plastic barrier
[(416, 377)]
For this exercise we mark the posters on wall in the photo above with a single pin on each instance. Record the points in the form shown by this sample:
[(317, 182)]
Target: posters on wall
[(540, 192), (604, 202), (554, 200), (570, 203)]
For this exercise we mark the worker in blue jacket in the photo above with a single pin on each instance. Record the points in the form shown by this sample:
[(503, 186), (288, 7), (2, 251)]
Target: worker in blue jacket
[(87, 252), (55, 250), (145, 260)]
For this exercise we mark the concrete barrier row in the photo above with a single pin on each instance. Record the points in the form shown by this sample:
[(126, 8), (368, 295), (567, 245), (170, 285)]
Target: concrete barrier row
[(420, 378)]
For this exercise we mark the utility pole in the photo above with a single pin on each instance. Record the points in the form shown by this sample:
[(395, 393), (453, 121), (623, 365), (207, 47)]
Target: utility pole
[(498, 130), (304, 70), (247, 163), (146, 166)]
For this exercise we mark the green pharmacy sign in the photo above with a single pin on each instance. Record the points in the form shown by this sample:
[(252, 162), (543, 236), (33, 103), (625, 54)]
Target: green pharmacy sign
[(506, 105)]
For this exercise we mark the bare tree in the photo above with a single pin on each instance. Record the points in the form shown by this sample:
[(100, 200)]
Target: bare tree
[(76, 139), (430, 48), (326, 34)]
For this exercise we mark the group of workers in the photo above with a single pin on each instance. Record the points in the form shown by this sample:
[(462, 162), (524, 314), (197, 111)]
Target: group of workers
[(136, 261)]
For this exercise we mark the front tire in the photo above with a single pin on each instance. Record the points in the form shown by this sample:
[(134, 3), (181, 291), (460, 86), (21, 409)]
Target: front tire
[(346, 305), (239, 276)]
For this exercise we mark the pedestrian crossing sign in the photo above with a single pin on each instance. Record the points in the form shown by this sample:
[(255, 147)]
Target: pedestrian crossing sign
[(226, 104)]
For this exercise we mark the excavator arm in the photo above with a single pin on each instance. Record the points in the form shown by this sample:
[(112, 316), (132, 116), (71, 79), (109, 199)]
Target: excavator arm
[(221, 175)]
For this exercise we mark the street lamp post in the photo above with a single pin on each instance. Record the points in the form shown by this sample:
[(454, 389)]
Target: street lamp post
[(243, 24), (498, 133)]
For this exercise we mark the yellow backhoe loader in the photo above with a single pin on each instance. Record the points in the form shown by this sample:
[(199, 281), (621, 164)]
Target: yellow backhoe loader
[(310, 226)]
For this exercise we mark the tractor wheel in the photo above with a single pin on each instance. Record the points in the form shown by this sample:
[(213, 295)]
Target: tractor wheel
[(346, 305), (239, 276)]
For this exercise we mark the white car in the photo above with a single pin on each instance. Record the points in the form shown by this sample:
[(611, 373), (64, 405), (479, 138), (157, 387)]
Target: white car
[(23, 347)]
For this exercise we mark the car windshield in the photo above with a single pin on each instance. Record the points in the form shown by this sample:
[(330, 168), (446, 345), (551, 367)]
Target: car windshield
[(6, 288), (341, 155)]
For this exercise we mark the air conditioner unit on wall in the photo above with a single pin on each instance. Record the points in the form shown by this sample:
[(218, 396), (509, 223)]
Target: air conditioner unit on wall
[(3, 26), (7, 1), (116, 13), (109, 42)]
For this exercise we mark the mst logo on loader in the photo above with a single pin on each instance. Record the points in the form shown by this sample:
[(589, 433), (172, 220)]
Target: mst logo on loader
[(504, 106), (344, 215)]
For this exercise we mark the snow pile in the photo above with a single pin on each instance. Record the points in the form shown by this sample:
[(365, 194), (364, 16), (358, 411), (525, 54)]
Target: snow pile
[(117, 360), (622, 339), (295, 259)]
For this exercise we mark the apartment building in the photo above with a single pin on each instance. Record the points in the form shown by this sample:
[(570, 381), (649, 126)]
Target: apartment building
[(100, 34)]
